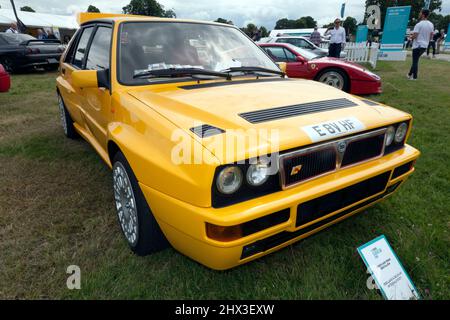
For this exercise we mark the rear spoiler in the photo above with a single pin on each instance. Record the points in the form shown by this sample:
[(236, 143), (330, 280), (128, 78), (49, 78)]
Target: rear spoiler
[(84, 17), (26, 43)]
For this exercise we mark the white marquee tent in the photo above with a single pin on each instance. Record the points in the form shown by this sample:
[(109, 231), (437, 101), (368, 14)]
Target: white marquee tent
[(38, 20)]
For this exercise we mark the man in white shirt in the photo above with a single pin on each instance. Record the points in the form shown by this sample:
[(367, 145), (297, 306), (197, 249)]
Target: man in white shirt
[(337, 40), (12, 28), (421, 36)]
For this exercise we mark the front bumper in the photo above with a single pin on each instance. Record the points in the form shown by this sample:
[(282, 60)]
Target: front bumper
[(363, 87), (184, 224), (39, 60)]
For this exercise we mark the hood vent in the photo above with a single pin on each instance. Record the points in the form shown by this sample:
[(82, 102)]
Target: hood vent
[(205, 130), (370, 102), (296, 110)]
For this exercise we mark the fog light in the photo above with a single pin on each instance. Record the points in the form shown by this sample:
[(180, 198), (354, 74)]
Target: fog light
[(224, 234), (400, 135), (390, 135)]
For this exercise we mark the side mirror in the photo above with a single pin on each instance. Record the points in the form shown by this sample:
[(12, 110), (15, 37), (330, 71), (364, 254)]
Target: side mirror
[(300, 59), (91, 79), (282, 66)]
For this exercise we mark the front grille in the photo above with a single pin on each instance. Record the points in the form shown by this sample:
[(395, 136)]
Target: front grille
[(296, 110), (302, 165), (309, 165), (319, 207), (285, 236), (362, 150)]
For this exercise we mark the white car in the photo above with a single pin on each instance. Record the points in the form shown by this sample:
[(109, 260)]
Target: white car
[(301, 42)]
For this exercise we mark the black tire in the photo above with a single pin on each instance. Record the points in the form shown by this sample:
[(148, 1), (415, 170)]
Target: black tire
[(342, 73), (66, 120), (149, 237), (7, 64)]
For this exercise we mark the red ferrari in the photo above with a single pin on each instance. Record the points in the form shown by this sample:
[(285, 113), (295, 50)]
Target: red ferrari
[(5, 80), (344, 75)]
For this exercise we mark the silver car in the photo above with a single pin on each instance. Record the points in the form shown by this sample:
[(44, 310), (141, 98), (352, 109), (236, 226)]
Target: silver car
[(303, 43)]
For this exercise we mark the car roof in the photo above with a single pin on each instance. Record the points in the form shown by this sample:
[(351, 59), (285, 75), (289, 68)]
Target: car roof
[(120, 19)]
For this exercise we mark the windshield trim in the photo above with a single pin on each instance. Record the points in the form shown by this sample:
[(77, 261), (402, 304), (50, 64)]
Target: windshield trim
[(164, 81)]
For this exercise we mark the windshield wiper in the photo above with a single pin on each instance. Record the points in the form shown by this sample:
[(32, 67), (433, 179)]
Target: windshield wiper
[(254, 70), (177, 72)]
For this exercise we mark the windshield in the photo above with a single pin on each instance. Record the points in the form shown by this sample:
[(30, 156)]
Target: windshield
[(17, 38), (308, 55), (148, 46)]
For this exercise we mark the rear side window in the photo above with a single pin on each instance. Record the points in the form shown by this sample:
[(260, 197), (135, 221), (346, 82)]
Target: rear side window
[(99, 52), (71, 50), (82, 46)]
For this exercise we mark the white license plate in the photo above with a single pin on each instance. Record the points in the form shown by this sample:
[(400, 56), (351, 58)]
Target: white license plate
[(331, 129)]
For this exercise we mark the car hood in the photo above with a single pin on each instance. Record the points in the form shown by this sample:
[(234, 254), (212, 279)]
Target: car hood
[(221, 104)]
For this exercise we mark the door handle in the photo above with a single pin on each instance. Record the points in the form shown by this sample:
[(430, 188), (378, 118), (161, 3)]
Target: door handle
[(63, 71)]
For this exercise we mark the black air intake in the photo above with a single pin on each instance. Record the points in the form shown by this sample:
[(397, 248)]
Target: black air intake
[(296, 110), (205, 130)]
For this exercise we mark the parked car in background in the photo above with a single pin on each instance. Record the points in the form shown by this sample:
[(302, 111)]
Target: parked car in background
[(343, 75), (182, 112), (303, 43), (5, 80), (22, 51)]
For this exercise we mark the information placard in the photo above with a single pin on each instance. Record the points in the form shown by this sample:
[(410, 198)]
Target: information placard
[(361, 33), (387, 270), (394, 33), (447, 39)]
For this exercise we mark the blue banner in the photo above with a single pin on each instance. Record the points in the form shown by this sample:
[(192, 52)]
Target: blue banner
[(394, 30), (361, 34), (343, 11), (447, 39)]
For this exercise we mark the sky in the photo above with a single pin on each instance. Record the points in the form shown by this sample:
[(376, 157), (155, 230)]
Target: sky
[(241, 12)]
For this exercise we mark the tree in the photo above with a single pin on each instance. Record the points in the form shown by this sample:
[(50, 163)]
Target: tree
[(350, 24), (264, 32), (416, 6), (301, 23), (222, 20), (92, 8), (27, 9), (440, 22), (284, 23), (148, 8)]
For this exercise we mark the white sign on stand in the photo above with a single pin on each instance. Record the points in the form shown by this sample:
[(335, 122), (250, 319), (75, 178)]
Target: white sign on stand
[(387, 270)]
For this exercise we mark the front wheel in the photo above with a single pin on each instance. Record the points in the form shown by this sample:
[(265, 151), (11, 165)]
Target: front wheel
[(335, 78), (139, 226)]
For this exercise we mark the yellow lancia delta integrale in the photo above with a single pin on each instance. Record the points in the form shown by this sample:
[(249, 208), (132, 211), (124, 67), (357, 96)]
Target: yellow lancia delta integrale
[(213, 150)]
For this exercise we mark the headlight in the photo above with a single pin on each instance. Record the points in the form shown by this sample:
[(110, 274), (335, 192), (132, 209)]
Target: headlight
[(390, 135), (257, 174), (229, 180), (400, 135)]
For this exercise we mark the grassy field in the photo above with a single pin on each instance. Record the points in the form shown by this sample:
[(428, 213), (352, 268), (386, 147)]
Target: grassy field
[(56, 210)]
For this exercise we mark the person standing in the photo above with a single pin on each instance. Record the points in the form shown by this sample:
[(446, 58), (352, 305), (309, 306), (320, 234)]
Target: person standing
[(433, 43), (13, 28), (315, 37), (337, 39), (440, 41), (421, 36)]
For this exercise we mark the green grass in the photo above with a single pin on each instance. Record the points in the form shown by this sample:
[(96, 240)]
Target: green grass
[(56, 209)]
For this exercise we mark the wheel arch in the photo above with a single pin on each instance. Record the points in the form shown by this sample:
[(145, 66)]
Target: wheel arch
[(342, 70)]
